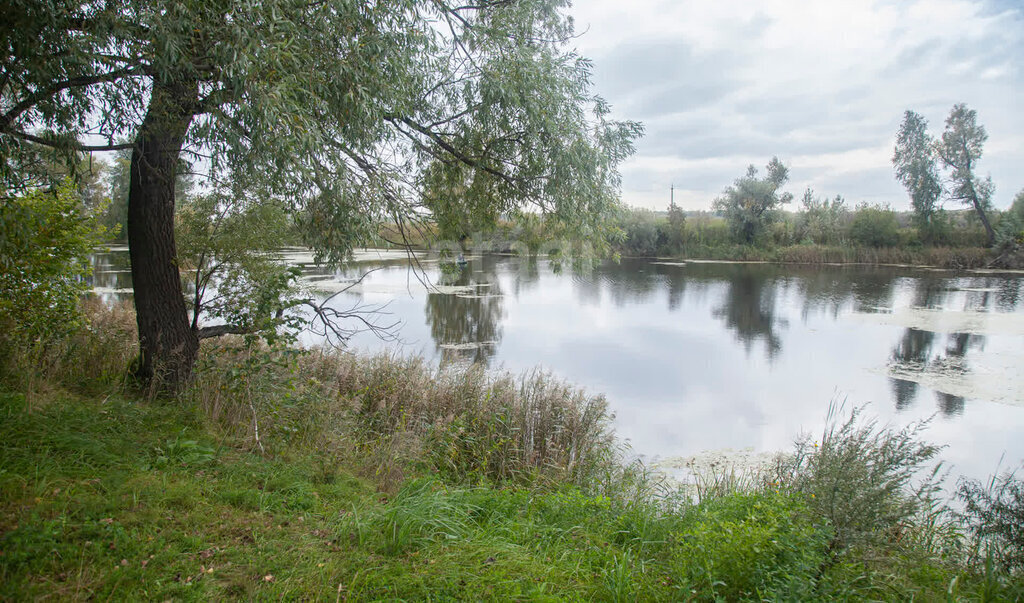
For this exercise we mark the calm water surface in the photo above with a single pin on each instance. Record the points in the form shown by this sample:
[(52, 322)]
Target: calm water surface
[(709, 356)]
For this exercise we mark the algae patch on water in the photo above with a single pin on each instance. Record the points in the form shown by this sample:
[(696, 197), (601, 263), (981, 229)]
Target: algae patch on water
[(963, 362), (692, 473), (1001, 384), (947, 321), (469, 345)]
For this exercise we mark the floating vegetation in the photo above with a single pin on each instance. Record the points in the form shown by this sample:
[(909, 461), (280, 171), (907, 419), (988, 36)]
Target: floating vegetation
[(469, 345), (947, 321), (950, 376), (453, 289)]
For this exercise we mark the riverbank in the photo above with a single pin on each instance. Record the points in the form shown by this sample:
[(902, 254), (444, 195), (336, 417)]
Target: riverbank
[(956, 258), (282, 473)]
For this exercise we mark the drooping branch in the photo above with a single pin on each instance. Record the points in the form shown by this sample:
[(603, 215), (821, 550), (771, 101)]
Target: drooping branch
[(326, 322), (441, 142), (67, 143), (76, 82), (330, 322), (330, 319)]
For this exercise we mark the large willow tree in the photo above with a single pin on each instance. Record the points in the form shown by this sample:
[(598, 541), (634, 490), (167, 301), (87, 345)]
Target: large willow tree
[(345, 112)]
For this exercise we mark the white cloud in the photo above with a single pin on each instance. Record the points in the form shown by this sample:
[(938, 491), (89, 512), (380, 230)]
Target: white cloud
[(823, 85)]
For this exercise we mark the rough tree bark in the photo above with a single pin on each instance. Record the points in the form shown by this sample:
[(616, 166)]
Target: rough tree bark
[(168, 344)]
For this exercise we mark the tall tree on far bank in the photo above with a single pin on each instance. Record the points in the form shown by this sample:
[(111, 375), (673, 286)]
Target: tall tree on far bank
[(960, 148), (915, 161), (752, 203), (344, 113)]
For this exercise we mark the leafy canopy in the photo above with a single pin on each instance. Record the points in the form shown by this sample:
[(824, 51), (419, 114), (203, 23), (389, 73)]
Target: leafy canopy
[(752, 203), (960, 148), (344, 113), (914, 160), (45, 240), (874, 226)]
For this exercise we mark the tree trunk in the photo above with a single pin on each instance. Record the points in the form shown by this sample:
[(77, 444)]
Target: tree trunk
[(167, 343), (984, 221)]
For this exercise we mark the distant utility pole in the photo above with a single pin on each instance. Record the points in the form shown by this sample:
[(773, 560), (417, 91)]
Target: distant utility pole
[(672, 193)]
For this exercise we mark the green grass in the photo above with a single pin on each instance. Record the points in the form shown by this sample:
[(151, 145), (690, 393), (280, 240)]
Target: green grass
[(134, 500), (383, 479), (130, 499)]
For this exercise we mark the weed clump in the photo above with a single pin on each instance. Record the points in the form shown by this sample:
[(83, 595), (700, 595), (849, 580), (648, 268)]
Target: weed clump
[(472, 425), (859, 479), (398, 417), (995, 514)]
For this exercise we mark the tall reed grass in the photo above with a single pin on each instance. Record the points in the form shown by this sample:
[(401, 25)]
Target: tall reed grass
[(958, 258), (94, 356), (398, 414)]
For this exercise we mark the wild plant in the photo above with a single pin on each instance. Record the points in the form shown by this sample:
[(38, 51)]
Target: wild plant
[(994, 515), (859, 478), (476, 425)]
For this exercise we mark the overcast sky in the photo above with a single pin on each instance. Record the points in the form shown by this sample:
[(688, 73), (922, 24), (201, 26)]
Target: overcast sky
[(822, 84)]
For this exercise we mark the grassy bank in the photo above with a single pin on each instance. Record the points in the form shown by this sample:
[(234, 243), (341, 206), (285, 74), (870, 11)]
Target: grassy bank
[(326, 476), (957, 258)]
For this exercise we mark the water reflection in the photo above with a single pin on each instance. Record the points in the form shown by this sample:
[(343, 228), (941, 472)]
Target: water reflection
[(702, 356), (911, 354), (466, 325), (111, 272), (904, 392), (950, 405), (749, 311), (929, 291), (1008, 296)]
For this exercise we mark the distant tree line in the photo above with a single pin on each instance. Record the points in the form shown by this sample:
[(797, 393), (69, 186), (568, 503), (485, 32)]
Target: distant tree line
[(750, 213), (820, 222)]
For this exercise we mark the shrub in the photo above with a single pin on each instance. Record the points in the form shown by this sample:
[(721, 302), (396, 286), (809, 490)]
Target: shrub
[(821, 218), (742, 546), (45, 240), (874, 226), (1010, 230), (645, 233), (859, 479)]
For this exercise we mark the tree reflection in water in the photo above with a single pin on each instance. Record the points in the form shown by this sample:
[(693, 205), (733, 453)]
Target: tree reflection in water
[(749, 311), (915, 353), (466, 325)]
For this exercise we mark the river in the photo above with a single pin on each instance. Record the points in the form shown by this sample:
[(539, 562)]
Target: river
[(711, 356)]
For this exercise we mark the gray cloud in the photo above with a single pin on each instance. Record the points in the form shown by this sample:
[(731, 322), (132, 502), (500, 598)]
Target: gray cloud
[(824, 88), (873, 186), (655, 77)]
